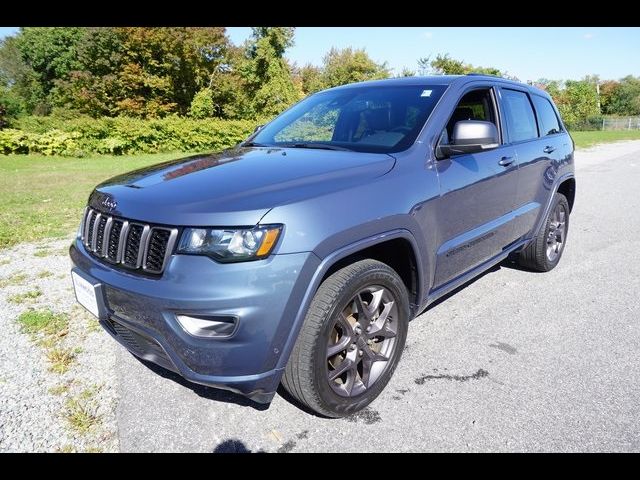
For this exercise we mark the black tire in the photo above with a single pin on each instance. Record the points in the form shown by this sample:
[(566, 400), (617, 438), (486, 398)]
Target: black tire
[(307, 373), (535, 256)]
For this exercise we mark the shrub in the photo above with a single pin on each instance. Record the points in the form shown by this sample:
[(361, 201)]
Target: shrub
[(52, 142), (583, 124), (122, 135), (202, 104), (13, 141)]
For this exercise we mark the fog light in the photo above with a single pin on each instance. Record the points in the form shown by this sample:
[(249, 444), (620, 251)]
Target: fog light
[(207, 326)]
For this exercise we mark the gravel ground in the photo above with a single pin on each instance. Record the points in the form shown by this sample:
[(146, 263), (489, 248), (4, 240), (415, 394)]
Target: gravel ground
[(33, 400), (515, 361)]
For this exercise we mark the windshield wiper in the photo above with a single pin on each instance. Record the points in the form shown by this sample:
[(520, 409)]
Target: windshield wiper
[(319, 146), (253, 144)]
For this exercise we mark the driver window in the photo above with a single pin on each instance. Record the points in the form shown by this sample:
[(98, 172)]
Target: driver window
[(475, 105)]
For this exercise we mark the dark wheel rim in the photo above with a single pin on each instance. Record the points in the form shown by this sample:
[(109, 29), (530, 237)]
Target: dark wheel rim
[(362, 341), (557, 232)]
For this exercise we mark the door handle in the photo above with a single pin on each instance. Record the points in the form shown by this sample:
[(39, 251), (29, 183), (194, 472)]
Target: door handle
[(506, 161), (548, 149)]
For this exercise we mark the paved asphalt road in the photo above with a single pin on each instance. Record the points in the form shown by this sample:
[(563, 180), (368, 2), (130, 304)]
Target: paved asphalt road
[(515, 361)]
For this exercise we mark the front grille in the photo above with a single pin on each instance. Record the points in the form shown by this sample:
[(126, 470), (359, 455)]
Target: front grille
[(134, 245)]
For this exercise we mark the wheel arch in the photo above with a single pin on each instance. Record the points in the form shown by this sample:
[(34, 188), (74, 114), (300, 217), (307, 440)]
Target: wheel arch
[(568, 184), (568, 188), (371, 245), (398, 253)]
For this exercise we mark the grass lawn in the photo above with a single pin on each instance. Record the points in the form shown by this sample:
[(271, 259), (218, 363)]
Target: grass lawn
[(588, 139), (43, 197)]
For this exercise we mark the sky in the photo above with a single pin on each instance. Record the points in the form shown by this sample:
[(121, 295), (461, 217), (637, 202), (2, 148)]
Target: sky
[(528, 53)]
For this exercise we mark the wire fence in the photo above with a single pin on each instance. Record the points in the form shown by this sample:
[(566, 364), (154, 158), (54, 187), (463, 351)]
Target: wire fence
[(600, 122), (620, 123)]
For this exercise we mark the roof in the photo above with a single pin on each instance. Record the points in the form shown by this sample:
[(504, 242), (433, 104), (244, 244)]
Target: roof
[(439, 80)]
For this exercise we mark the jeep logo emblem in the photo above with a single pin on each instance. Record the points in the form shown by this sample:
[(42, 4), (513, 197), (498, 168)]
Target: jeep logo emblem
[(109, 203)]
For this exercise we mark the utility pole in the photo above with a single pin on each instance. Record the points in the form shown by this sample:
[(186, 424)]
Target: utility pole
[(598, 96)]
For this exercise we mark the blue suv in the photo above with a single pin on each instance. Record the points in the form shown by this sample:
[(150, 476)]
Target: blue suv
[(299, 256)]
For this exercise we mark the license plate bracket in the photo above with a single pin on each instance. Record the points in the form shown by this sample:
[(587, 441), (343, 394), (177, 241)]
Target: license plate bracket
[(88, 293)]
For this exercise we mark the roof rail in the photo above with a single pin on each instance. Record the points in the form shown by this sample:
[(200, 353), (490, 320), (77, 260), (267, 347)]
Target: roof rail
[(476, 74)]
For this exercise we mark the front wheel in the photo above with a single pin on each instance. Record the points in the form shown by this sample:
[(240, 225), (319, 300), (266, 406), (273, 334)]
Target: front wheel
[(351, 340), (544, 253)]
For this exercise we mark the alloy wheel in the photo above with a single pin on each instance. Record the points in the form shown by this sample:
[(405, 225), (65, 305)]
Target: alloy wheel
[(557, 232), (361, 342)]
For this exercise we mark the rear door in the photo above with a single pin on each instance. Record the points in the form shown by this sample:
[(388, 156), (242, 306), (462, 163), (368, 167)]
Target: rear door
[(477, 194), (536, 134)]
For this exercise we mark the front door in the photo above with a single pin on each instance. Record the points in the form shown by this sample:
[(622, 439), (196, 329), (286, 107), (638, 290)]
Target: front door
[(477, 196)]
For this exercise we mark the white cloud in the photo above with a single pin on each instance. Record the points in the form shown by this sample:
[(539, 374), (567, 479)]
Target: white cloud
[(588, 36), (427, 35)]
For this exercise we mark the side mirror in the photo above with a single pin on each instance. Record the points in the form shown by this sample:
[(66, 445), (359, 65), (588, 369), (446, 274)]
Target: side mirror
[(470, 136)]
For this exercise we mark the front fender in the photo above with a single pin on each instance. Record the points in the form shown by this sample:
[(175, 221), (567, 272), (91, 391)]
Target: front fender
[(326, 262)]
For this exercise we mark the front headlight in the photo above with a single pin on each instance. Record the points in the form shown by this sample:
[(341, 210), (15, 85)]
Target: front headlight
[(230, 244)]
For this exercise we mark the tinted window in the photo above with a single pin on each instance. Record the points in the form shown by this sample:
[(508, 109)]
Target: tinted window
[(546, 116), (365, 119), (521, 120)]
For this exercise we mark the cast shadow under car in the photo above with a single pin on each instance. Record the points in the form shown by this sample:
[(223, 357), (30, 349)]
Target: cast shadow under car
[(220, 395), (203, 391)]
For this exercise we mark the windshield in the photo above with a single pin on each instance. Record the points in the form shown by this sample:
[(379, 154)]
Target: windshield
[(380, 119)]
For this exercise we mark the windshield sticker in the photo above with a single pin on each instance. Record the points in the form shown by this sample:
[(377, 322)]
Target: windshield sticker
[(426, 93)]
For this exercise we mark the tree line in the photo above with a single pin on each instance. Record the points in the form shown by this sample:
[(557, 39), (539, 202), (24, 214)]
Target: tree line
[(198, 72)]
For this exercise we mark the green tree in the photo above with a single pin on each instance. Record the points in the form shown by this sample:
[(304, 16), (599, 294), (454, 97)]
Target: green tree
[(624, 97), (311, 79), (581, 101), (134, 71), (266, 74), (50, 53), (12, 81), (576, 100), (608, 91), (163, 68), (229, 87), (348, 65), (407, 72), (93, 88), (202, 104), (445, 65)]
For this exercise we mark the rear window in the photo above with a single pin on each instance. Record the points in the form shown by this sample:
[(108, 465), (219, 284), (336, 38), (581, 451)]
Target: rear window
[(547, 118), (521, 120)]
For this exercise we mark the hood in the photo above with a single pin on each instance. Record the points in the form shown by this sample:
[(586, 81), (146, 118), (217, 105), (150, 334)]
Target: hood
[(236, 187)]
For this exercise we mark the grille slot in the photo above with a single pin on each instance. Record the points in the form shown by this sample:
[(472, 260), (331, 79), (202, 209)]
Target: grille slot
[(91, 219), (102, 223), (156, 249), (134, 245), (114, 240)]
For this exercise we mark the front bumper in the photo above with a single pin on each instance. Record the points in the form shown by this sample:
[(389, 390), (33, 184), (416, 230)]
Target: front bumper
[(264, 295)]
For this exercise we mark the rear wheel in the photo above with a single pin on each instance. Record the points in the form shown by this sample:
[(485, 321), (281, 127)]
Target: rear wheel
[(351, 340), (544, 253)]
